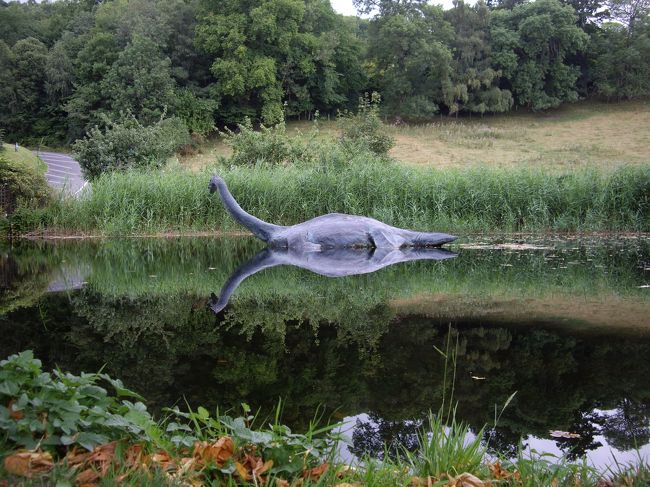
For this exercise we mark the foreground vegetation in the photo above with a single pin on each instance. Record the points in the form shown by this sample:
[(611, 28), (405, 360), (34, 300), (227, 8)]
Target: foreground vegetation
[(70, 428)]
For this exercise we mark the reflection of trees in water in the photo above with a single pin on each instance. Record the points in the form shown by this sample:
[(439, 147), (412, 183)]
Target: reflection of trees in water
[(377, 437), (170, 347), (629, 426)]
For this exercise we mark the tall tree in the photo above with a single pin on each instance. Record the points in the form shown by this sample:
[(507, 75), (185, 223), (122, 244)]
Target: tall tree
[(409, 58), (531, 43), (619, 65), (140, 81), (474, 83)]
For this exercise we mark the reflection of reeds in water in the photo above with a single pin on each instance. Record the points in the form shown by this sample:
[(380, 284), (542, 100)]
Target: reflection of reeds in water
[(598, 283)]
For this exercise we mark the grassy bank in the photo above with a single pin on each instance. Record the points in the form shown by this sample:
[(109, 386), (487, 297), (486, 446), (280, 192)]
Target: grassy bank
[(481, 199), (98, 432)]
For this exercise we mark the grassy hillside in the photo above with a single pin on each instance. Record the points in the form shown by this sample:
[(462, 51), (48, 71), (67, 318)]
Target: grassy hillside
[(23, 157), (586, 134)]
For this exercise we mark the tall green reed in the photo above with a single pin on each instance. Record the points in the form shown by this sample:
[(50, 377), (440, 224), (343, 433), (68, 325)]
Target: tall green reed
[(477, 199)]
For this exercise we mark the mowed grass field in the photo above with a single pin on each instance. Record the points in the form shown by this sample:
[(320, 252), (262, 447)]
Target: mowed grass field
[(579, 135)]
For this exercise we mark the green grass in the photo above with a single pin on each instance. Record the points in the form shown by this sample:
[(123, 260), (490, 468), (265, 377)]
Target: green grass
[(23, 157), (587, 134), (456, 201)]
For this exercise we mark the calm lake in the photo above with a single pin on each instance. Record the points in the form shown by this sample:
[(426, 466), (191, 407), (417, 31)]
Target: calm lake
[(564, 323)]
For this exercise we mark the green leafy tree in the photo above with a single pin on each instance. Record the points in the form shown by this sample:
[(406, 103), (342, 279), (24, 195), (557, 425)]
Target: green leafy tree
[(474, 84), (88, 104), (8, 100), (140, 81), (127, 144), (620, 64), (531, 43), (248, 41), (410, 61), (30, 58)]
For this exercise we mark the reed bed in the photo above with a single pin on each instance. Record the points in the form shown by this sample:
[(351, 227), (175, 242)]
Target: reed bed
[(456, 201)]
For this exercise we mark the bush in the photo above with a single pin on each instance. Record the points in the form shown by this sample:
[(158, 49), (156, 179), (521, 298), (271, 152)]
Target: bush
[(78, 410), (127, 144), (365, 129), (197, 113), (270, 145), (22, 185)]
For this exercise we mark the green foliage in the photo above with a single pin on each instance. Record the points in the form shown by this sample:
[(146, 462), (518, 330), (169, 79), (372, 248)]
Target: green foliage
[(290, 452), (22, 182), (266, 52), (533, 43), (50, 409), (451, 200), (128, 144), (197, 113), (621, 62), (273, 146), (268, 145), (140, 81), (365, 129), (444, 449), (475, 83), (410, 59)]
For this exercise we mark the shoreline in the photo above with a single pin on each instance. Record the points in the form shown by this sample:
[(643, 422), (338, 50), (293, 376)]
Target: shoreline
[(55, 236)]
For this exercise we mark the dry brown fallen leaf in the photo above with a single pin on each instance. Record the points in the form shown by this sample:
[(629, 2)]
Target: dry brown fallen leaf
[(13, 414), (28, 463), (499, 473), (252, 467), (466, 480), (316, 472), (218, 452)]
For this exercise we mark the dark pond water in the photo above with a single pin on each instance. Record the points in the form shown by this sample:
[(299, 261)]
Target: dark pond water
[(563, 323)]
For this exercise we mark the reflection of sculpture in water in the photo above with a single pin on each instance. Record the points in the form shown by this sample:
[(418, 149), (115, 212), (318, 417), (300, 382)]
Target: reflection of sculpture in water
[(334, 230), (331, 263)]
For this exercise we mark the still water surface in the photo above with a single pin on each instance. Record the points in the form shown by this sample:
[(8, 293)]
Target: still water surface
[(563, 322)]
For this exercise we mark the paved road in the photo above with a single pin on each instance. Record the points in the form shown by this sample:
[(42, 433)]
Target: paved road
[(63, 172)]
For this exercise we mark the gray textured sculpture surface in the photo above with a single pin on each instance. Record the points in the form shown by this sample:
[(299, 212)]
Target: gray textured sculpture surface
[(331, 231), (335, 262)]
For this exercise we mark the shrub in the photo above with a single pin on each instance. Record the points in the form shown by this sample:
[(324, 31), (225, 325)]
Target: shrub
[(78, 410), (128, 144), (365, 129), (22, 184), (270, 145), (197, 113)]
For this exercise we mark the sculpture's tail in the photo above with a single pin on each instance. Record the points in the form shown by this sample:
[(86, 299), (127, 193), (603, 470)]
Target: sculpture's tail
[(424, 239), (261, 229)]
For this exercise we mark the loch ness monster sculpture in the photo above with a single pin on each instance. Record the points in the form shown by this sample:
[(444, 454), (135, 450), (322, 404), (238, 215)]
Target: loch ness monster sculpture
[(331, 231)]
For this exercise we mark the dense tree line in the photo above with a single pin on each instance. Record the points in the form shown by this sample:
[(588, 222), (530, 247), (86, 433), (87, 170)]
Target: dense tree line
[(71, 65)]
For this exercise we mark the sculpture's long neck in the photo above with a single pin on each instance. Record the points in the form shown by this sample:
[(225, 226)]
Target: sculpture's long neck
[(261, 229)]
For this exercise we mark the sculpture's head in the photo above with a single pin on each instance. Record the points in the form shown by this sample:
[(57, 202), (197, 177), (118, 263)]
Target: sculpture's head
[(214, 181)]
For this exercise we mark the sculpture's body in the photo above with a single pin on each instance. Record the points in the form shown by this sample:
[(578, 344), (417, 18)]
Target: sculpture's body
[(332, 231)]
